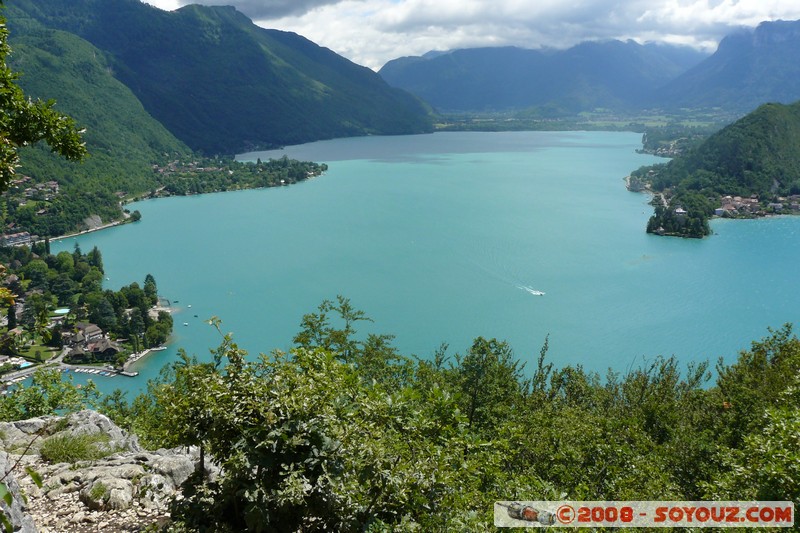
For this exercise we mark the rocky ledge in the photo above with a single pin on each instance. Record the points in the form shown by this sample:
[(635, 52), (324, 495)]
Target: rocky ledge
[(128, 490)]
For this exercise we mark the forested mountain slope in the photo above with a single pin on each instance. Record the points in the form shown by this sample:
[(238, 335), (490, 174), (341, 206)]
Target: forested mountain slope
[(221, 84), (758, 154), (122, 138)]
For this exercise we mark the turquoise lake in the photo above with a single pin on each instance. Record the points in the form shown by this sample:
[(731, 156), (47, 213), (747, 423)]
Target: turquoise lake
[(436, 238)]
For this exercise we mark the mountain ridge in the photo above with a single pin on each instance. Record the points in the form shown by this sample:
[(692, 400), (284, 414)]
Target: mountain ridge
[(221, 84), (590, 74), (749, 68)]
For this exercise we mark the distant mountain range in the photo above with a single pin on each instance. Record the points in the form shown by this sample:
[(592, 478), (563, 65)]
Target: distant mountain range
[(208, 79), (609, 74), (218, 82), (748, 69)]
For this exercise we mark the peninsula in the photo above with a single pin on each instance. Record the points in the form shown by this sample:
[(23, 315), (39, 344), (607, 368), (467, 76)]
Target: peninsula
[(748, 169)]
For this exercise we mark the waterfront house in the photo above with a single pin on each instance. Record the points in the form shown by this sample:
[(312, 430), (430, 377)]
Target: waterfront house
[(104, 350), (88, 331)]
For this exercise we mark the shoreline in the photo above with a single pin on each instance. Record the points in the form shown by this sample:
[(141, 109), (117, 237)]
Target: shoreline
[(125, 220), (135, 357)]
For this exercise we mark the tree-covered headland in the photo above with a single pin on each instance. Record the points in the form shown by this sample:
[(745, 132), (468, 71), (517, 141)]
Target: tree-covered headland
[(749, 168)]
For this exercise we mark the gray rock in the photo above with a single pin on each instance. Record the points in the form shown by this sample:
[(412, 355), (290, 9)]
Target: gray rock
[(108, 493), (91, 422), (16, 512), (32, 425), (149, 478), (17, 436), (130, 486), (174, 465)]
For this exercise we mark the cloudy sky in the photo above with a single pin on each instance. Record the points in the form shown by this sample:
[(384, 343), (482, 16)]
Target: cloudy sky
[(371, 32)]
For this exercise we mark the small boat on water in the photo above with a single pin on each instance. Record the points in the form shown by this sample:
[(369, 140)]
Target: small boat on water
[(531, 290)]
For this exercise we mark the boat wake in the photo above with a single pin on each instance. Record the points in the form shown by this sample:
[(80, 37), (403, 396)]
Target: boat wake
[(531, 290)]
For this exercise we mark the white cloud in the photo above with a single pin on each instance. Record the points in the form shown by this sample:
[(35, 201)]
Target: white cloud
[(371, 32)]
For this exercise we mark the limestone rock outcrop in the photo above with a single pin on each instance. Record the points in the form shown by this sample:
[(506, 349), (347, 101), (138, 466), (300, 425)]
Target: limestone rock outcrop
[(128, 490)]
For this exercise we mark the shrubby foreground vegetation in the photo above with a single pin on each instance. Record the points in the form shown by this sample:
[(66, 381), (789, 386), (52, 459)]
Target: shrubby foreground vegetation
[(343, 433)]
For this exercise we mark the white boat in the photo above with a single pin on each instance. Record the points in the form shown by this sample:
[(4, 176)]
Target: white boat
[(531, 290)]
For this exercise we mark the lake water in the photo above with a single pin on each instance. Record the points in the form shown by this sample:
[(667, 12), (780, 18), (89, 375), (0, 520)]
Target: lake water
[(436, 238)]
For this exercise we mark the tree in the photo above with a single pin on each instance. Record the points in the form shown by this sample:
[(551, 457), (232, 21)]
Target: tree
[(12, 316), (767, 466), (755, 383), (135, 327), (36, 272), (63, 288), (151, 289), (65, 263), (159, 331), (307, 441), (318, 332), (24, 121), (95, 259), (489, 382)]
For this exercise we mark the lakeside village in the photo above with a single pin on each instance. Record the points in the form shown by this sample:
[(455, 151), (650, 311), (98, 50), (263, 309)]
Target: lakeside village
[(54, 312), (729, 206)]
